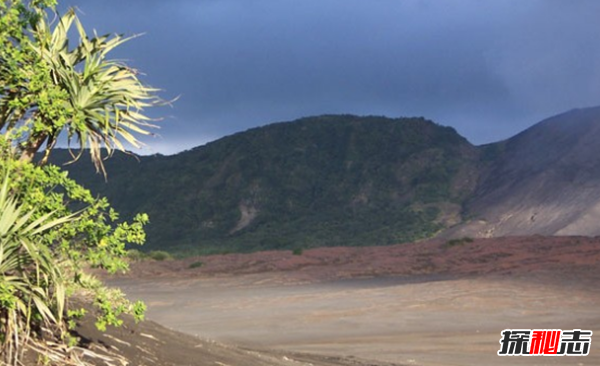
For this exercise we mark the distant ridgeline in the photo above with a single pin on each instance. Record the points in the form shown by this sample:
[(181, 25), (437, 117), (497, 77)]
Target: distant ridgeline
[(357, 181), (321, 181)]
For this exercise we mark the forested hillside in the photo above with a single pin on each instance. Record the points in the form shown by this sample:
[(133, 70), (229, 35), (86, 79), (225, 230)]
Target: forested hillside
[(321, 181)]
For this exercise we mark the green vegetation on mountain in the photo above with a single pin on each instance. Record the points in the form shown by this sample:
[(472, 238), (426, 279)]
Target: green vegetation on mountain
[(321, 181)]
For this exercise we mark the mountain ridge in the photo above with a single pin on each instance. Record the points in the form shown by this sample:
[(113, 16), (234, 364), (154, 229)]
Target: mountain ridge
[(348, 180), (317, 181)]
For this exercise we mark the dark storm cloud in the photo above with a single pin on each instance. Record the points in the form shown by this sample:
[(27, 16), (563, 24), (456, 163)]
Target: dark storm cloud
[(489, 69)]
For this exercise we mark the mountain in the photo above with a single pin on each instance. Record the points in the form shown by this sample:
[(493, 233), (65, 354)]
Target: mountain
[(347, 180), (545, 180), (321, 181)]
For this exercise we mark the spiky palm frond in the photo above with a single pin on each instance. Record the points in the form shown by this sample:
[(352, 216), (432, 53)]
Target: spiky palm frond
[(105, 99), (31, 281)]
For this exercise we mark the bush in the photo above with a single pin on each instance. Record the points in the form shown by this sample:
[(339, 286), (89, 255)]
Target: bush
[(32, 283), (458, 242), (197, 264), (50, 229), (298, 251), (135, 255), (159, 255)]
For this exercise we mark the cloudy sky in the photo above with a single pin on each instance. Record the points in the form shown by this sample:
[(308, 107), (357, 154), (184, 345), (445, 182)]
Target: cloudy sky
[(488, 68)]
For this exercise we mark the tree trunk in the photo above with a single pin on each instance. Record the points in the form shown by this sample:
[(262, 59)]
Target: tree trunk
[(32, 147)]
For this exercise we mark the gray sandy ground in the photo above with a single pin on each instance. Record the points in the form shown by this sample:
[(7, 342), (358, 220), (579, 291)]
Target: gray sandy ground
[(430, 321)]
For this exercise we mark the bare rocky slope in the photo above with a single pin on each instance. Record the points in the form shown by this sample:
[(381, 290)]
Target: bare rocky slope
[(545, 180)]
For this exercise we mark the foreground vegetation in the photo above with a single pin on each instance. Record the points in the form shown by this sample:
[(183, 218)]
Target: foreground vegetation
[(51, 228)]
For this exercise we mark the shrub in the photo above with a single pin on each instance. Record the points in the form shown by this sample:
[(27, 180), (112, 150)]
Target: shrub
[(50, 229), (135, 255), (32, 283), (197, 264), (458, 242), (159, 255)]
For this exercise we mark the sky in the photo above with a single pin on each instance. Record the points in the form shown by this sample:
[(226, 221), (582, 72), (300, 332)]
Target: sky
[(490, 69)]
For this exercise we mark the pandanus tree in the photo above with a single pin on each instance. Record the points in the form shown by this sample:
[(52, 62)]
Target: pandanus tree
[(49, 88)]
